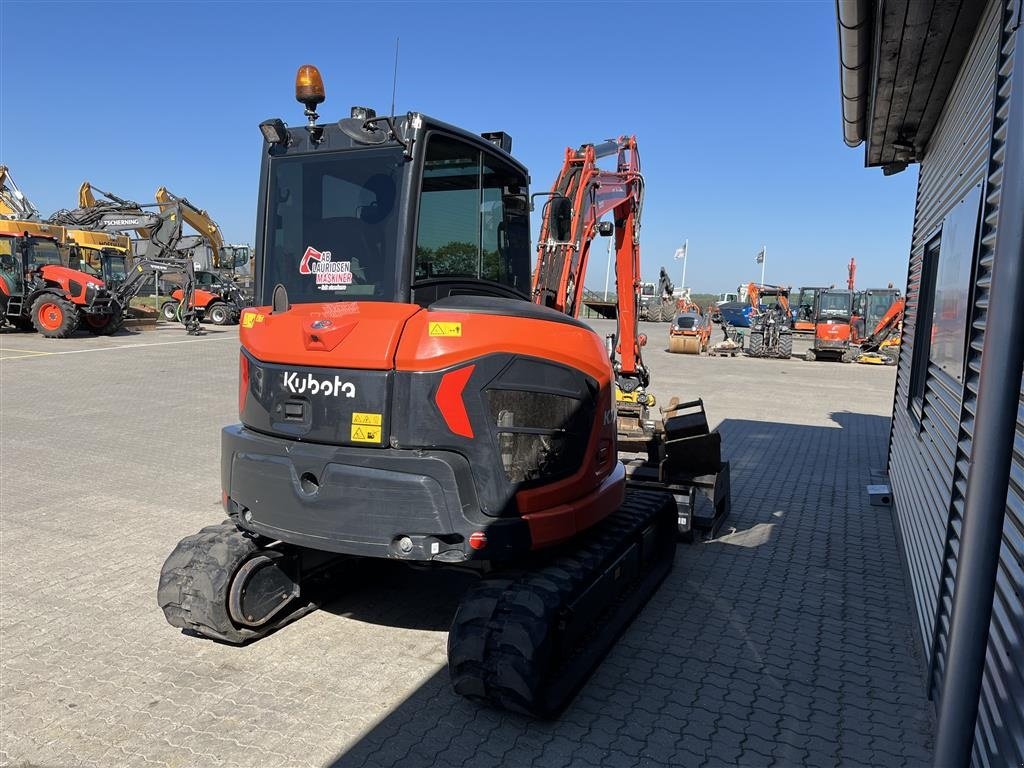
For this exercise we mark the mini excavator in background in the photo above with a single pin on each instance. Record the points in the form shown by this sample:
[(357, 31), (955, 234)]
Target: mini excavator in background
[(407, 392)]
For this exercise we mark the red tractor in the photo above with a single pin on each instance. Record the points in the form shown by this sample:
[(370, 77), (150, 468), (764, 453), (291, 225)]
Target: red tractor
[(38, 292)]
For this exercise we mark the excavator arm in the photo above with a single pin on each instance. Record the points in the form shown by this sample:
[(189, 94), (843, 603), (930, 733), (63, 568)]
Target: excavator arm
[(195, 217), (756, 291), (108, 212), (13, 203), (581, 195)]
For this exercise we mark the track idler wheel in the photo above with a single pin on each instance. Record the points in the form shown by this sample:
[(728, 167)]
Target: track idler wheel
[(527, 640), (220, 583)]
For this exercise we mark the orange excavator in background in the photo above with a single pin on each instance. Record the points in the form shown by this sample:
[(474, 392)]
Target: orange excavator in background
[(216, 298), (406, 392), (880, 347)]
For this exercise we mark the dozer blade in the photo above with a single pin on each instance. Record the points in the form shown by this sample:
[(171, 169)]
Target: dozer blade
[(527, 641), (684, 457)]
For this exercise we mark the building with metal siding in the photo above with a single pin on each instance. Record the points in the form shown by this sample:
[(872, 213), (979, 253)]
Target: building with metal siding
[(932, 83)]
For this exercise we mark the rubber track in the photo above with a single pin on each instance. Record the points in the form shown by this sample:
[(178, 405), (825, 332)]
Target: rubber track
[(507, 643), (195, 579)]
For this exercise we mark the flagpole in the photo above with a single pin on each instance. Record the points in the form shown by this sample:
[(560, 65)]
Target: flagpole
[(686, 244), (764, 258)]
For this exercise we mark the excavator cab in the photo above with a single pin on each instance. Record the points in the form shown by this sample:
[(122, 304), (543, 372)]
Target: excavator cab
[(108, 264), (406, 210), (833, 325), (872, 305)]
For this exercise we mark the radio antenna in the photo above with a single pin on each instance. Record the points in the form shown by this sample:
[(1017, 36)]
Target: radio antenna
[(394, 82)]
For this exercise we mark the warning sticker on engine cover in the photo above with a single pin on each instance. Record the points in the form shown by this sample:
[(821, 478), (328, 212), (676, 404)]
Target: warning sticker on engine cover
[(367, 419), (445, 329), (365, 434)]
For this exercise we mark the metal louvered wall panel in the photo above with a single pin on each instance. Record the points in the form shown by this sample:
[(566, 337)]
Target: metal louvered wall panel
[(999, 731), (991, 28), (922, 455)]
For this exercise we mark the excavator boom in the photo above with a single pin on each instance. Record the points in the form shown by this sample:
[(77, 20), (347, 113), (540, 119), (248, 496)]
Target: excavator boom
[(195, 217), (13, 203), (581, 195)]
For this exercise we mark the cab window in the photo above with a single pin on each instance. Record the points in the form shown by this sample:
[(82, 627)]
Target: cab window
[(473, 218)]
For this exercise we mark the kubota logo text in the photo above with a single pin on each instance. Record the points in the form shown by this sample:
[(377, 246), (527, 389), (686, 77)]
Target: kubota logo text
[(300, 385)]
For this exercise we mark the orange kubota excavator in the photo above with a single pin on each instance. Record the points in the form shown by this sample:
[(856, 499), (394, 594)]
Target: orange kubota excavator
[(880, 347), (402, 397)]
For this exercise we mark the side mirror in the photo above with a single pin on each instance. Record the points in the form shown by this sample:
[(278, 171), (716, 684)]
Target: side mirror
[(605, 228)]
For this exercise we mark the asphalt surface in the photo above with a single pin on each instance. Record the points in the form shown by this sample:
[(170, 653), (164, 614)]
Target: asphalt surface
[(786, 641)]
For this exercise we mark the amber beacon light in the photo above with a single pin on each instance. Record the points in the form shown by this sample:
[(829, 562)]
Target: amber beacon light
[(309, 87)]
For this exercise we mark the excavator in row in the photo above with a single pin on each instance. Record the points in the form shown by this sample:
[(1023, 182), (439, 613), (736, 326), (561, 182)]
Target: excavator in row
[(212, 294), (881, 345), (852, 326), (409, 392), (165, 251)]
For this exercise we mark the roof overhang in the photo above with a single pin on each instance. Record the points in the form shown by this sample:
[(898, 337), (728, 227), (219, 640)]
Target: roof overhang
[(897, 63)]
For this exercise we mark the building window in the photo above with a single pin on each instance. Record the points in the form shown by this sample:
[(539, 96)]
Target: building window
[(953, 280), (923, 326), (944, 298)]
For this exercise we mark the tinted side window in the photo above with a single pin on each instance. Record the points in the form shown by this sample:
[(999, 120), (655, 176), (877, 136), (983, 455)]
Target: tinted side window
[(473, 217), (448, 241), (504, 227)]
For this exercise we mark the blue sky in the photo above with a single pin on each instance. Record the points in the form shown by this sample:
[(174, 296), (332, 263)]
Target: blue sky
[(735, 106)]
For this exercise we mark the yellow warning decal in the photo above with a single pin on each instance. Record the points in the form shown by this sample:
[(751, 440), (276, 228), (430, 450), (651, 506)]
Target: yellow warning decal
[(446, 329), (248, 319), (368, 419), (361, 434)]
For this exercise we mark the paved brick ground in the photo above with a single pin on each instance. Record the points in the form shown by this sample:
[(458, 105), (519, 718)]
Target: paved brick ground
[(787, 641)]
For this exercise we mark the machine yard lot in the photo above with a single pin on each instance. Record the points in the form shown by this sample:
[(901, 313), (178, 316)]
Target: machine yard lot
[(787, 641)]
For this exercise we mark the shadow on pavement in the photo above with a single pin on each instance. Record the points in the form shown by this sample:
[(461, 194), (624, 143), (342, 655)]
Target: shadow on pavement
[(787, 641), (395, 595)]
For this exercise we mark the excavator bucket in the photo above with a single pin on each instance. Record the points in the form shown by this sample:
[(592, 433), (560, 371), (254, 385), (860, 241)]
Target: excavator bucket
[(684, 457)]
